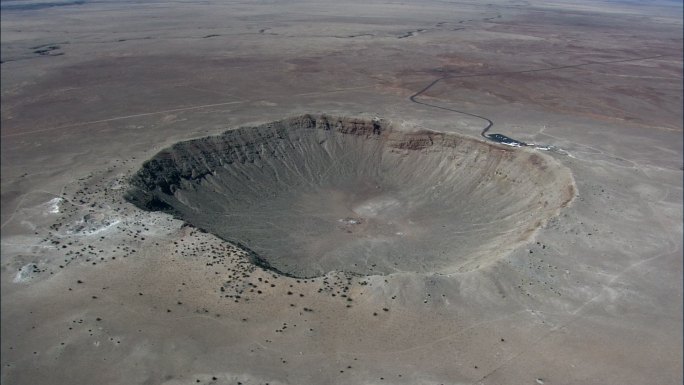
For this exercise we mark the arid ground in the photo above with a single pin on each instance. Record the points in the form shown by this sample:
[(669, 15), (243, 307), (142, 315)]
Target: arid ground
[(373, 234)]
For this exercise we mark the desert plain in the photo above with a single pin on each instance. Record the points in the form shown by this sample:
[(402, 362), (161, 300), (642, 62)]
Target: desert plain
[(319, 192)]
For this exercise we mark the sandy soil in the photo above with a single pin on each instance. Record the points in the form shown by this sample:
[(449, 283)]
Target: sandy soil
[(95, 290)]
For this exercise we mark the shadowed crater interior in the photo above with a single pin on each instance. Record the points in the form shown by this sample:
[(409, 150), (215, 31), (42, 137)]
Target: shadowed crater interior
[(312, 194)]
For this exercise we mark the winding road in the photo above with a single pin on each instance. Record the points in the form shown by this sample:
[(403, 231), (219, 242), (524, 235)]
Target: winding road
[(500, 138)]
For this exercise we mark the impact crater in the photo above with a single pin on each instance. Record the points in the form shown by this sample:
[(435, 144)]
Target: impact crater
[(313, 194)]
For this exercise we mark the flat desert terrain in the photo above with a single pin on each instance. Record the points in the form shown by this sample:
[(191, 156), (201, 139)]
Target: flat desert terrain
[(350, 192)]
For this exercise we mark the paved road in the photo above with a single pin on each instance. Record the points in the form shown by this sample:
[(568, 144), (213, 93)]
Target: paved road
[(500, 138)]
